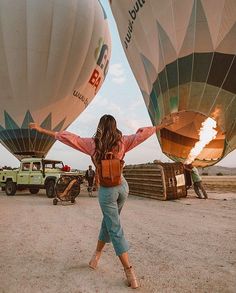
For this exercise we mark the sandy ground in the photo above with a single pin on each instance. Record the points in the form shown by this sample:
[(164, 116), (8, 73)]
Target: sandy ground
[(187, 245)]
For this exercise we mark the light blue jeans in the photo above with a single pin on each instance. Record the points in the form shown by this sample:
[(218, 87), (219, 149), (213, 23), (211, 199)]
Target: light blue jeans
[(111, 200)]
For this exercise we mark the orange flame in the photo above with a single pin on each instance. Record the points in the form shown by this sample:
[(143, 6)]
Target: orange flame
[(206, 134)]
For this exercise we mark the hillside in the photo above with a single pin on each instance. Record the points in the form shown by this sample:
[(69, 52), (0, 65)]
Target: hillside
[(214, 170)]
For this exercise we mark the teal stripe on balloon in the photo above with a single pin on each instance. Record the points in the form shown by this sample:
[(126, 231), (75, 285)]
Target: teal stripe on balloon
[(104, 12), (47, 122), (28, 119), (59, 125), (9, 122), (174, 102)]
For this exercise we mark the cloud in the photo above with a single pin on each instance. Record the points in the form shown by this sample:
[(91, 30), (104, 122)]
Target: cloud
[(130, 116), (117, 73), (137, 104), (119, 80)]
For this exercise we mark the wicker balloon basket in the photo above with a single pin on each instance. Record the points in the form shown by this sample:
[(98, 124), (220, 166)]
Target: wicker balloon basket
[(164, 181)]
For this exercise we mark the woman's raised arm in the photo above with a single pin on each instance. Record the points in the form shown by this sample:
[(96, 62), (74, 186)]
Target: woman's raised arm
[(131, 141), (83, 144), (40, 129)]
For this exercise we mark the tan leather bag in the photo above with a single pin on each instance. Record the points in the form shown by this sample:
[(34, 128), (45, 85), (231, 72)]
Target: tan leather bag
[(109, 171)]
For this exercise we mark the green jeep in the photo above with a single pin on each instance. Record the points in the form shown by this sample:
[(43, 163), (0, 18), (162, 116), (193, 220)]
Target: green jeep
[(34, 174)]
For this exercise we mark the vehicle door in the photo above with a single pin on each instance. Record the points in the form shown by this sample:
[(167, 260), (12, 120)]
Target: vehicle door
[(36, 176), (24, 174)]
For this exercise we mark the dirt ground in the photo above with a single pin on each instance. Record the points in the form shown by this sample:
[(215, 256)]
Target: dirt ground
[(187, 245)]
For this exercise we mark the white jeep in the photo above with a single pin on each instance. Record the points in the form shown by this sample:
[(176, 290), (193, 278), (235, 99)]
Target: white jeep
[(34, 174)]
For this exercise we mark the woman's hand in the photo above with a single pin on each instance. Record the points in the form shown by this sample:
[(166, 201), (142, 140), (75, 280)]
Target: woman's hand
[(35, 126), (42, 130)]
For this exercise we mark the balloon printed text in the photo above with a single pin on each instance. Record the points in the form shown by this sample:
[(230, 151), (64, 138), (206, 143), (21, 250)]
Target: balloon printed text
[(133, 14)]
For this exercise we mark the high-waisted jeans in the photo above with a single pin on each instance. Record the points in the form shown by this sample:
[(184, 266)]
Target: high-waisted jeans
[(111, 200)]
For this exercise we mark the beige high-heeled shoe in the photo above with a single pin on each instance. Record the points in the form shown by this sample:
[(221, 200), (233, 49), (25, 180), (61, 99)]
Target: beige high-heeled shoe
[(94, 260), (131, 278)]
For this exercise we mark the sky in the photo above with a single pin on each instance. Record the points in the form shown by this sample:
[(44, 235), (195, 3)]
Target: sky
[(119, 96)]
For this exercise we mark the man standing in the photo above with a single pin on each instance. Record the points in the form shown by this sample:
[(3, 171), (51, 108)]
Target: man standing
[(89, 176), (197, 181)]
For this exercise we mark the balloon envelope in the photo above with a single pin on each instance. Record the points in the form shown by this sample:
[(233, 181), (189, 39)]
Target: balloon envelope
[(182, 54), (54, 57)]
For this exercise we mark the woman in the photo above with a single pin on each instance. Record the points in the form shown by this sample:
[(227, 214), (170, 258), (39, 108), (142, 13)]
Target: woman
[(111, 199)]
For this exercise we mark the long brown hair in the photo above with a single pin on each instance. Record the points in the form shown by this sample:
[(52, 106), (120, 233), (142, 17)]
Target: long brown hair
[(107, 138)]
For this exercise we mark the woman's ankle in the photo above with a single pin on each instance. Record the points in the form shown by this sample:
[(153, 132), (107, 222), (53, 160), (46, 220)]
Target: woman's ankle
[(94, 260)]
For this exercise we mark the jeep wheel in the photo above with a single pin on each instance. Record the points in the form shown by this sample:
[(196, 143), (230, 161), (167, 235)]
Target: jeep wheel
[(50, 189), (55, 201), (10, 188), (34, 190)]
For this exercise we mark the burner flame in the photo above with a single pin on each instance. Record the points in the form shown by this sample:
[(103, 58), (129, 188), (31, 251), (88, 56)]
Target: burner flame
[(206, 134)]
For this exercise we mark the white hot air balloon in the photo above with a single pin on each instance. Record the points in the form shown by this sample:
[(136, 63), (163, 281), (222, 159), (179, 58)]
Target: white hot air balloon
[(54, 56), (182, 53)]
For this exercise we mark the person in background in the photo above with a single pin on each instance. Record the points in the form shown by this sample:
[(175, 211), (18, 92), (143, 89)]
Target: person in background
[(197, 181), (111, 199), (34, 167), (26, 166), (89, 176)]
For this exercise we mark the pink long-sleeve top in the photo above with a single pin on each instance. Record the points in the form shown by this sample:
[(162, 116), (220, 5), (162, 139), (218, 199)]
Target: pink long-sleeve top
[(87, 145)]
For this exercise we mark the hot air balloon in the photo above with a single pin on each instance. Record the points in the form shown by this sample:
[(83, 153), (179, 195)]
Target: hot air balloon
[(182, 54), (54, 57)]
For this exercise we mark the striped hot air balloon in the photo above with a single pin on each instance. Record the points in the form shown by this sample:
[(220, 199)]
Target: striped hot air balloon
[(54, 57), (182, 53)]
